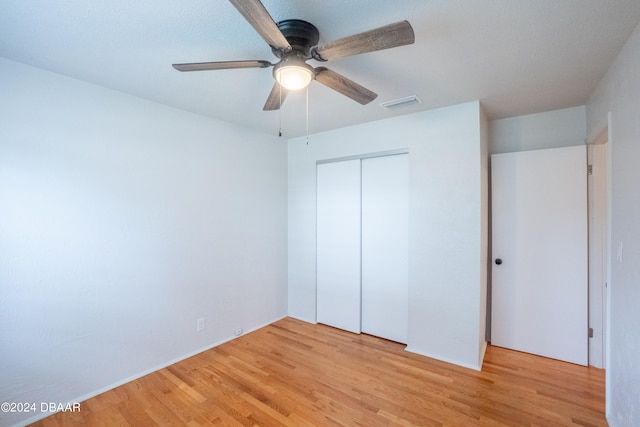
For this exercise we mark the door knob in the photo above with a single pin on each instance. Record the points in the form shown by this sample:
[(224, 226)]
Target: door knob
[(498, 261)]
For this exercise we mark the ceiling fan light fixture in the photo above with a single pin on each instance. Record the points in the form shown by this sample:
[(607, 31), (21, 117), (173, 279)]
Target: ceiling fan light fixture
[(293, 74)]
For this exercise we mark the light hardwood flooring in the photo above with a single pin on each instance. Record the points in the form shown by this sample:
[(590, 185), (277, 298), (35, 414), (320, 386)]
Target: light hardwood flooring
[(292, 373)]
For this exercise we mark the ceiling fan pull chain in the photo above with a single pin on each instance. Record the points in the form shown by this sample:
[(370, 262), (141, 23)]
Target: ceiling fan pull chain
[(307, 115), (280, 112)]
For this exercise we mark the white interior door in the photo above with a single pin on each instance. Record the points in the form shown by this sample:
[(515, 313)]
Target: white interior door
[(338, 244), (385, 215), (539, 221)]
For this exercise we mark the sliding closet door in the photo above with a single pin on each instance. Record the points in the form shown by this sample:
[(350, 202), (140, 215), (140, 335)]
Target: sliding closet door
[(338, 244), (385, 212)]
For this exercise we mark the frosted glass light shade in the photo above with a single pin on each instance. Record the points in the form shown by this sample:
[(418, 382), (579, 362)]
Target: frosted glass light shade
[(293, 74)]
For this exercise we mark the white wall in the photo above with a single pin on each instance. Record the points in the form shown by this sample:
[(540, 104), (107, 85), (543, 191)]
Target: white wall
[(619, 94), (446, 266), (551, 129), (121, 223)]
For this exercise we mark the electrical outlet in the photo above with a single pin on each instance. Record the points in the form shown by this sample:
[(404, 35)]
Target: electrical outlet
[(620, 248), (201, 324)]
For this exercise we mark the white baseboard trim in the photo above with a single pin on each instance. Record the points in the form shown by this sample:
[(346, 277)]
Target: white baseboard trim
[(483, 350), (475, 367), (143, 373), (313, 322)]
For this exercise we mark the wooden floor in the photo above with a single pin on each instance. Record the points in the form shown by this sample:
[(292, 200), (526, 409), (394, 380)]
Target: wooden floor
[(296, 374)]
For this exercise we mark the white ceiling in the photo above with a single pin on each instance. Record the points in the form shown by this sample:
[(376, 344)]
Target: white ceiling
[(516, 57)]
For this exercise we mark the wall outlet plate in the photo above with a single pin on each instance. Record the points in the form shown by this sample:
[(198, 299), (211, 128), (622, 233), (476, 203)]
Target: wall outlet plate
[(201, 324), (620, 250)]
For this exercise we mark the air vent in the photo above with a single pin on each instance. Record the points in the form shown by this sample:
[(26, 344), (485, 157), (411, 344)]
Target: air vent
[(407, 101)]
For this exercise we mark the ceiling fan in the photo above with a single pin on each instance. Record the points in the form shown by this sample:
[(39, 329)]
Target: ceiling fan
[(295, 41)]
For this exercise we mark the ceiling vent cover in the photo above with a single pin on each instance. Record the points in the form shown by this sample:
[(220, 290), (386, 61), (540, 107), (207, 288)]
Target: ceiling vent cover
[(395, 104)]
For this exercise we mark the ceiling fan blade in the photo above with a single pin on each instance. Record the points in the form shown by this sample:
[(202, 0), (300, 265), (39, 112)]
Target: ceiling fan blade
[(256, 14), (392, 35), (347, 87), (276, 98), (221, 65)]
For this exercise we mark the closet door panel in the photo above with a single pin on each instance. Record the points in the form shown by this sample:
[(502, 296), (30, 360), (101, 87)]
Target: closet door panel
[(338, 244), (385, 212)]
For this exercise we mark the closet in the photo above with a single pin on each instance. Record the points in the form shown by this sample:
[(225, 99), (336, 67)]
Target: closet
[(362, 245)]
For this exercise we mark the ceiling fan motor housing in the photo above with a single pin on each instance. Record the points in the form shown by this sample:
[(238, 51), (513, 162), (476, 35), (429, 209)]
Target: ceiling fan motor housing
[(301, 35)]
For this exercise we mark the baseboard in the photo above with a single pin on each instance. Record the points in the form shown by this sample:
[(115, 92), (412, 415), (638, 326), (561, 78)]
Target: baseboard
[(445, 359), (313, 322), (483, 350), (143, 373)]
